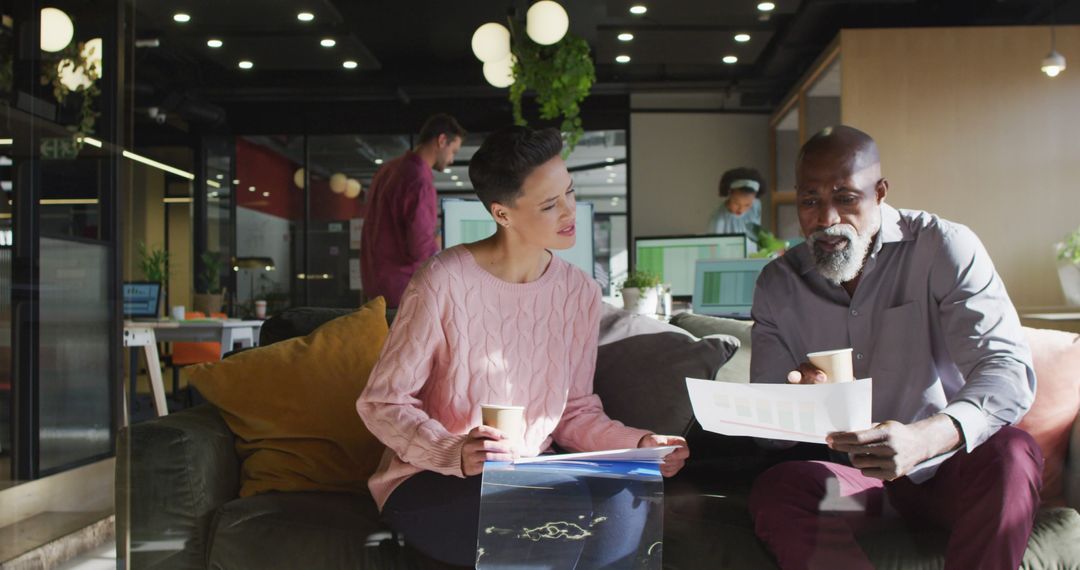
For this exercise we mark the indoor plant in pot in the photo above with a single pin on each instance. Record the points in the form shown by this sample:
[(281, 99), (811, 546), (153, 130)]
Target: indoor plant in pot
[(1068, 254), (640, 293), (154, 264), (209, 300)]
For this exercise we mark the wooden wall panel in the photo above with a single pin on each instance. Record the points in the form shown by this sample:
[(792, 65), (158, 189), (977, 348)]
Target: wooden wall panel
[(969, 128)]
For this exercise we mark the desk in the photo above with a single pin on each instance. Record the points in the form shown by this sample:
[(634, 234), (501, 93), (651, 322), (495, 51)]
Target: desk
[(228, 332)]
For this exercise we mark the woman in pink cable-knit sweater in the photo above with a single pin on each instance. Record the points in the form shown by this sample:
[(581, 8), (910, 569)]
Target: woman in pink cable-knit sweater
[(500, 321)]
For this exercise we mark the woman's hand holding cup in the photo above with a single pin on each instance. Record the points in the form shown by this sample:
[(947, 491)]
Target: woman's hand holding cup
[(485, 443)]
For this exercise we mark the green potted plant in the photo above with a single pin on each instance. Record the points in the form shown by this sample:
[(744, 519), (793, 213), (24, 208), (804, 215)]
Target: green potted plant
[(1068, 255), (640, 292), (561, 75), (154, 264), (210, 299)]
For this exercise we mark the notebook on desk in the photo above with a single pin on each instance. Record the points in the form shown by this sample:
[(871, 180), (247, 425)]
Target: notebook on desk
[(142, 301)]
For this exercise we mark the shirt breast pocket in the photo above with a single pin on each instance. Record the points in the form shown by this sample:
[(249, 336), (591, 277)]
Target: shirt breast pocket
[(898, 338)]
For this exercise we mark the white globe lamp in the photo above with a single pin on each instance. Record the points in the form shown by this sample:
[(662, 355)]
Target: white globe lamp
[(491, 42), (56, 30), (352, 188), (338, 182), (546, 22), (500, 73)]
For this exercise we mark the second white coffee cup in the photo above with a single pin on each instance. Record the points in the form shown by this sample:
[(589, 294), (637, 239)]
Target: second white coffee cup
[(836, 364)]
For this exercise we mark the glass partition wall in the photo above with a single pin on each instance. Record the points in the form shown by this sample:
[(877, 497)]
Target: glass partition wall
[(300, 204)]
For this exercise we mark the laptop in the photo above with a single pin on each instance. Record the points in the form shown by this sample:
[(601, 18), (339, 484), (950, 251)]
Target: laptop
[(142, 300), (725, 287)]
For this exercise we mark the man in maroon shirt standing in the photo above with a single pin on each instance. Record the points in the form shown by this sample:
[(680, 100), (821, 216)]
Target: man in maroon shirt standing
[(399, 227)]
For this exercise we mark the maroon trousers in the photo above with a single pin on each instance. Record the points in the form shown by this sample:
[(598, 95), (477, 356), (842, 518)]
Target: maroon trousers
[(808, 512)]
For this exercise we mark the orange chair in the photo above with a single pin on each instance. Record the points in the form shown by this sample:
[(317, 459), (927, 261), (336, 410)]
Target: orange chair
[(187, 353)]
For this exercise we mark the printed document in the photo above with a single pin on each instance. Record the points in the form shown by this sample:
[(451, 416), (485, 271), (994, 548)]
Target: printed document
[(792, 412)]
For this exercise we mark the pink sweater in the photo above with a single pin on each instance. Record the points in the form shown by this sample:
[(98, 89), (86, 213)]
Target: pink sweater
[(463, 337)]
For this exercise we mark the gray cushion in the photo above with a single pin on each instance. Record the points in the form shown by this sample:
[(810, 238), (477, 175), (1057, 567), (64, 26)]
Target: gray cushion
[(642, 365), (738, 369), (301, 530)]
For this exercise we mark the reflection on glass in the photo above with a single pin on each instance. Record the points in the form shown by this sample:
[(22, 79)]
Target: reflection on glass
[(595, 514), (74, 353), (269, 222)]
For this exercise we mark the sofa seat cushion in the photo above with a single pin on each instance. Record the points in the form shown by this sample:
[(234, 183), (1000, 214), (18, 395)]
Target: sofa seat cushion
[(292, 406), (301, 530)]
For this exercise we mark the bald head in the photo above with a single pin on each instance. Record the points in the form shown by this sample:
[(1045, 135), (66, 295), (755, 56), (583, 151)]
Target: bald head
[(844, 145)]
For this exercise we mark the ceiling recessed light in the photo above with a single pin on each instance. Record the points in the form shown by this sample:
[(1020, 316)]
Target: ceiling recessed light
[(214, 43), (236, 182), (610, 181), (245, 64), (622, 58), (742, 38), (220, 176), (609, 167), (349, 64), (459, 183), (609, 159), (766, 6), (181, 17), (378, 161), (730, 59), (266, 194), (328, 42), (447, 170), (251, 188), (305, 16), (626, 36), (454, 177), (638, 9)]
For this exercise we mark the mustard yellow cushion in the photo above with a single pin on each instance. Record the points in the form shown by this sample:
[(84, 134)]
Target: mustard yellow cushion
[(292, 406)]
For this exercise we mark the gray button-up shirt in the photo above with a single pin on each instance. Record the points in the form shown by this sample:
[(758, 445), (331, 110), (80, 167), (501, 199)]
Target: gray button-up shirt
[(930, 322)]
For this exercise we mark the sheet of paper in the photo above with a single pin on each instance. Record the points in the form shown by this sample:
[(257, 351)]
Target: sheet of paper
[(654, 454), (792, 412)]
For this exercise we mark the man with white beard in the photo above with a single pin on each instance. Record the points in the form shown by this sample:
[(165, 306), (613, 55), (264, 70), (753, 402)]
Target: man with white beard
[(919, 302)]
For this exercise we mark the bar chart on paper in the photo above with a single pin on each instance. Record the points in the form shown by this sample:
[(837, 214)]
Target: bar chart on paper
[(791, 412)]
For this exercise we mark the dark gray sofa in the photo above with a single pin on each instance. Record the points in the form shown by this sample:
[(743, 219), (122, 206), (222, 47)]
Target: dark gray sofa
[(185, 511)]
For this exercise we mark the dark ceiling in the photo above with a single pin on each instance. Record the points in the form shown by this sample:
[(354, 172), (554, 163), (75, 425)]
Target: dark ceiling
[(416, 53)]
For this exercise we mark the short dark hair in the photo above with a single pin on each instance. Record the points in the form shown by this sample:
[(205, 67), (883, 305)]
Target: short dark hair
[(506, 158), (440, 124), (741, 173)]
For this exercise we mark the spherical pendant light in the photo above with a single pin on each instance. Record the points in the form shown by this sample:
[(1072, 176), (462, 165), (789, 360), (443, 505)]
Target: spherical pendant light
[(491, 42), (352, 188), (56, 30), (500, 73), (546, 22), (338, 181)]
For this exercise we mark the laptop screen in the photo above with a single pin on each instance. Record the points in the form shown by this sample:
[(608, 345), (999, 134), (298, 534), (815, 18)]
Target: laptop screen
[(142, 299), (725, 287)]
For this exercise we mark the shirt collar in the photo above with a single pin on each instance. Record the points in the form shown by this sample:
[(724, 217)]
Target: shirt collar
[(893, 229)]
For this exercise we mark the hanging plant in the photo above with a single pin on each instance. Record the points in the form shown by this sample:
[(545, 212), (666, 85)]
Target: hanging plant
[(561, 75), (76, 69)]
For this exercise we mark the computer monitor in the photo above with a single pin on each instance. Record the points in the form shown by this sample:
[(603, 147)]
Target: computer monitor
[(725, 287), (467, 221), (142, 299), (673, 257)]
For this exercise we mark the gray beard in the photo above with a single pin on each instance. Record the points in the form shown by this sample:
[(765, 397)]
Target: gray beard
[(841, 266)]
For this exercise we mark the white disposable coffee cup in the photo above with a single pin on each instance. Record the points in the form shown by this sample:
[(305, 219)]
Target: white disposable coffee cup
[(260, 309), (508, 419), (836, 364), (178, 312)]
